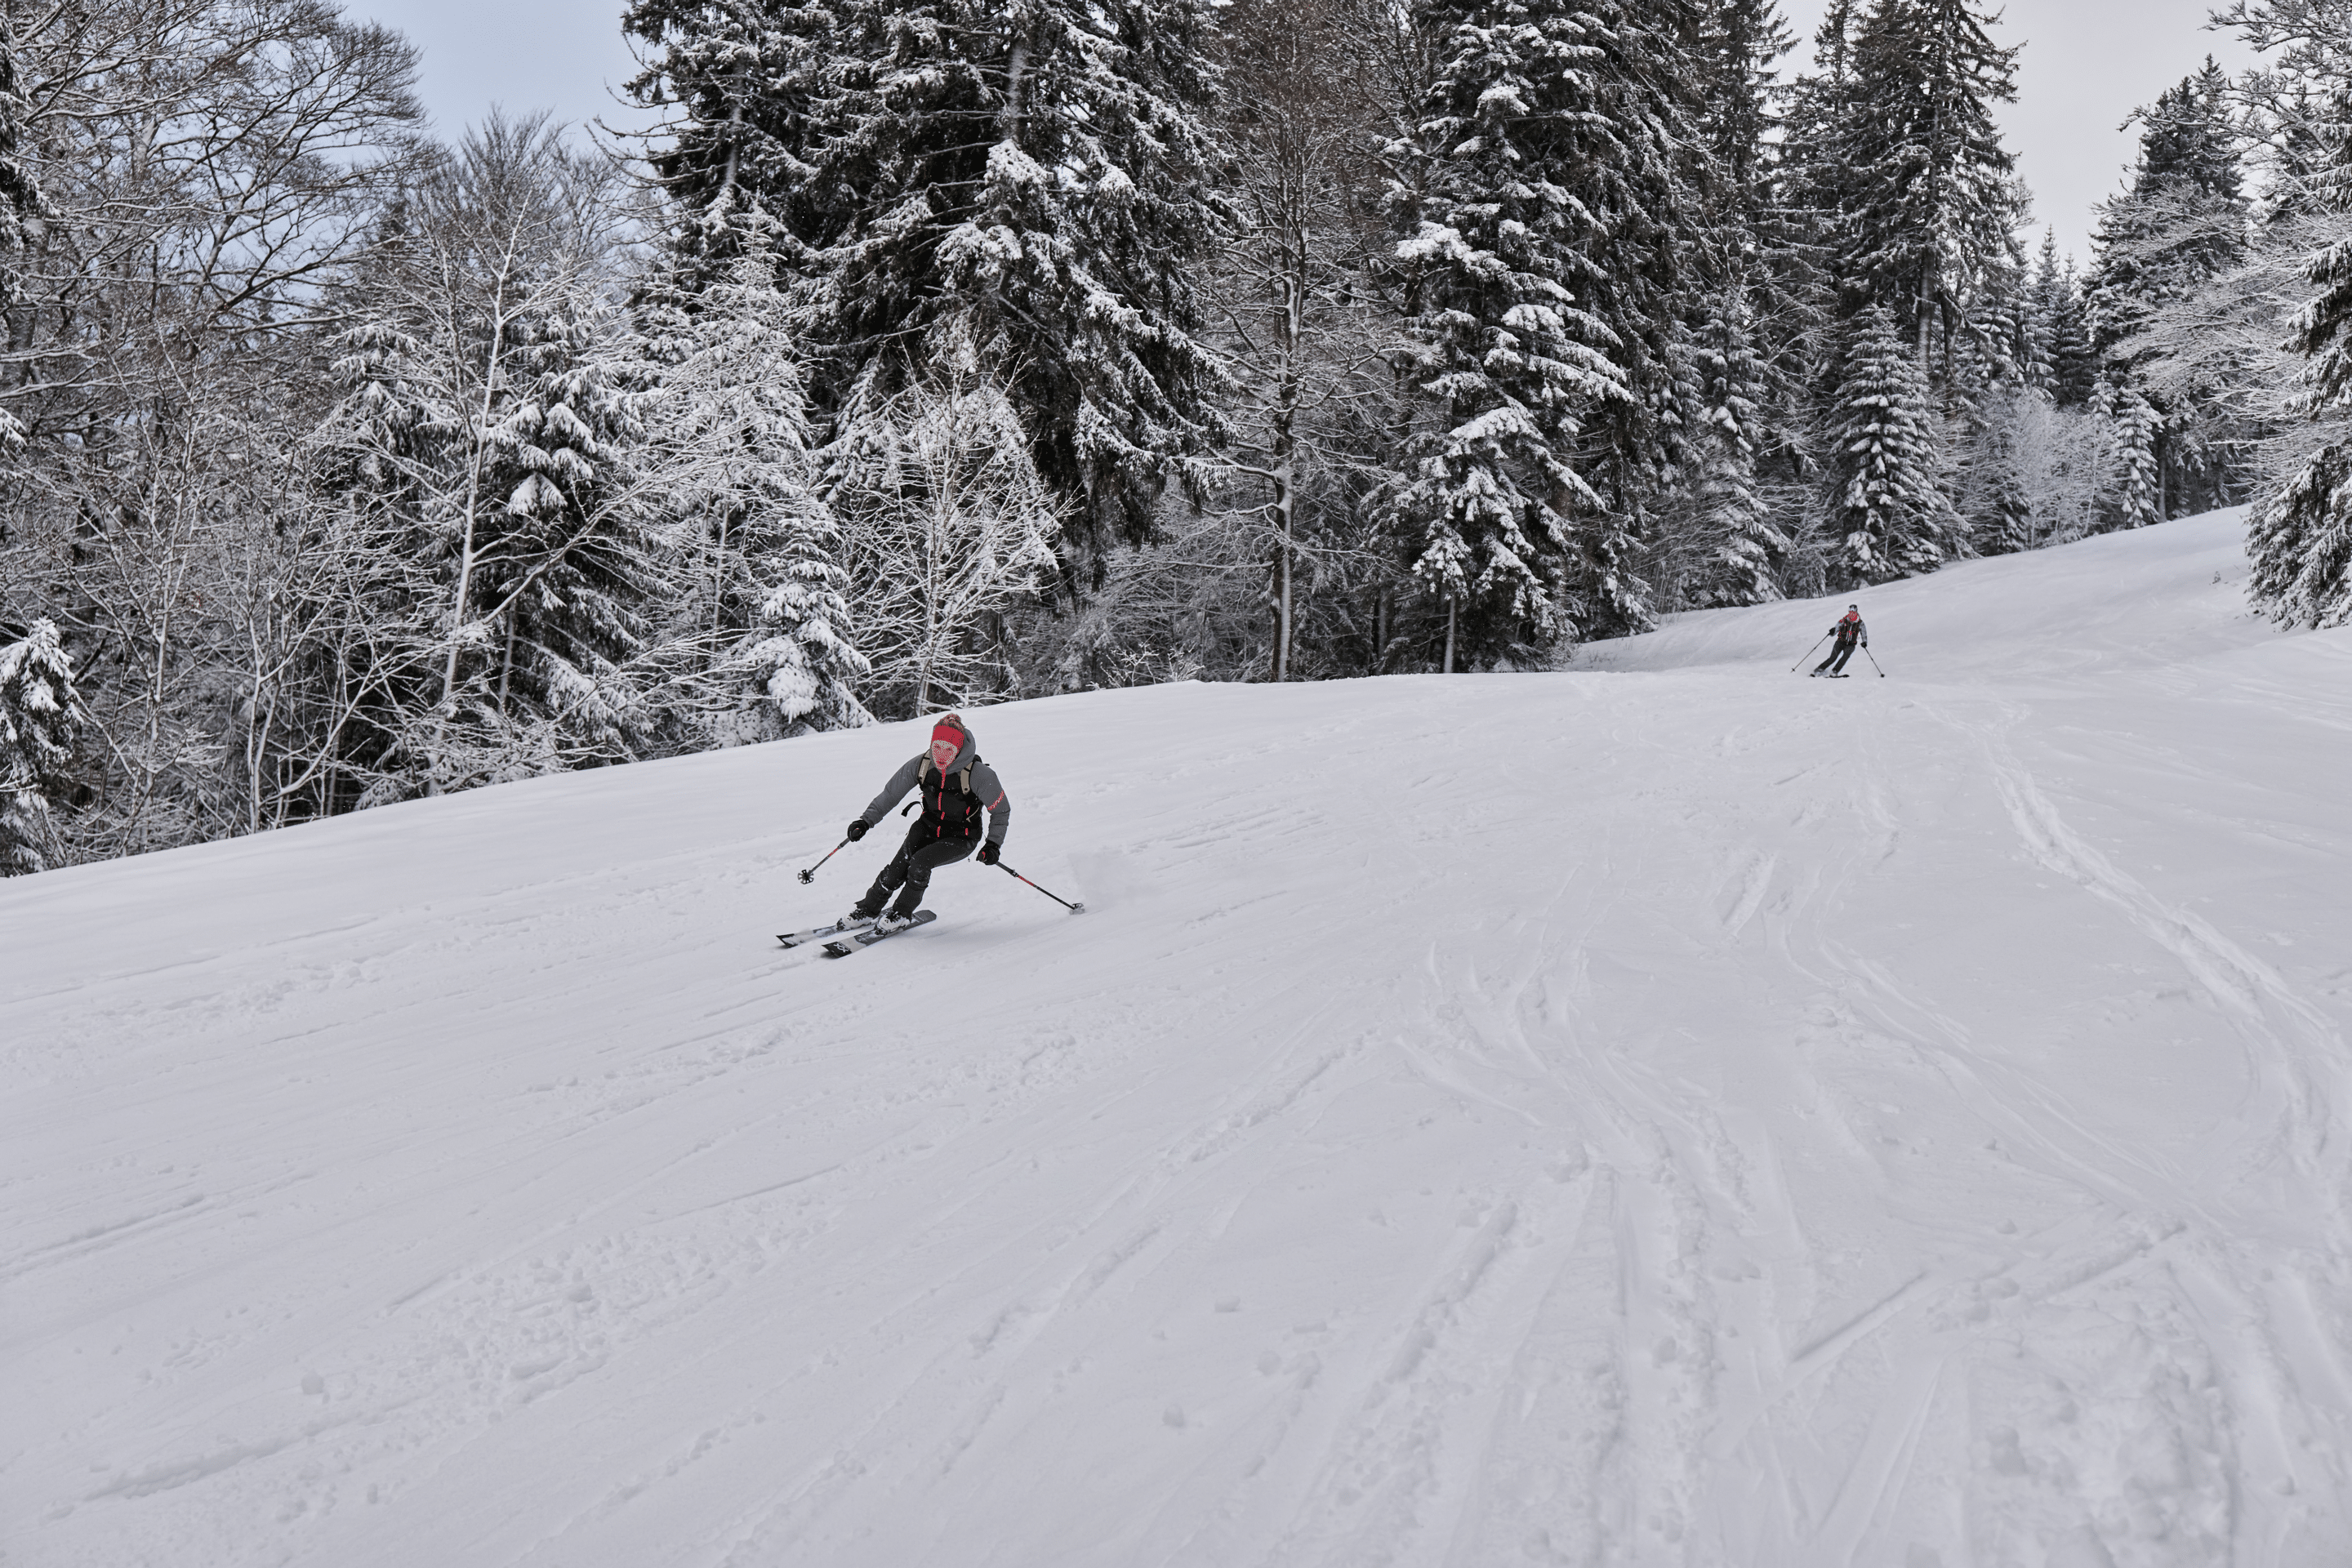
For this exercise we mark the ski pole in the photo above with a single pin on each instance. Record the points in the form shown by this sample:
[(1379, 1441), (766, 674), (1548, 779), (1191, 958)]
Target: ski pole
[(1809, 652), (1873, 660), (809, 875), (1073, 908)]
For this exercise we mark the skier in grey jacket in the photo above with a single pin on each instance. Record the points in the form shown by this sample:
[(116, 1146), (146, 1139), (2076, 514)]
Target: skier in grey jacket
[(957, 786)]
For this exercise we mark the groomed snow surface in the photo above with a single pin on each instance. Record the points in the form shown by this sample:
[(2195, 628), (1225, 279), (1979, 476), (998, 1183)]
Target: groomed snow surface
[(1669, 1111)]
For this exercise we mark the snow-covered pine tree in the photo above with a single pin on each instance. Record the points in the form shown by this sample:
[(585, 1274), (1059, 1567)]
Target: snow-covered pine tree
[(1548, 219), (2182, 224), (1746, 266), (2001, 327), (1814, 185), (1932, 202), (757, 551), (2299, 539), (1904, 147), (2062, 334), (1739, 548), (1029, 178), (1888, 512), (39, 718), (734, 83), (487, 442), (1995, 365), (1649, 210), (2300, 543), (2135, 427)]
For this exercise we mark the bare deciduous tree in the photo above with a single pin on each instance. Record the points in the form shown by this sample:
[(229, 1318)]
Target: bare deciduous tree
[(946, 526), (205, 169)]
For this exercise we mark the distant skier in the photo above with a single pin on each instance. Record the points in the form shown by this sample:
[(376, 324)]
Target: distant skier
[(957, 785), (1850, 634)]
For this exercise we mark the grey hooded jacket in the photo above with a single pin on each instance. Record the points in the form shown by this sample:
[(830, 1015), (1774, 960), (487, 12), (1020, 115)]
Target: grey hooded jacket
[(984, 784)]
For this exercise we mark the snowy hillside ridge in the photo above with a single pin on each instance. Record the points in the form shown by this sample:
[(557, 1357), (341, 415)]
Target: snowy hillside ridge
[(2155, 596), (1666, 1112)]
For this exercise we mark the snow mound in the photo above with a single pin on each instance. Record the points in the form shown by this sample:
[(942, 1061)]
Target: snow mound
[(1667, 1111)]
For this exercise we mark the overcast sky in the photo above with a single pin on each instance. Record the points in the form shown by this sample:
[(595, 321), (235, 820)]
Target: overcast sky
[(2087, 64)]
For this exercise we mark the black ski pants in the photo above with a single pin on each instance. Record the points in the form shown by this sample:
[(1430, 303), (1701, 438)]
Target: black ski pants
[(1836, 660), (909, 871)]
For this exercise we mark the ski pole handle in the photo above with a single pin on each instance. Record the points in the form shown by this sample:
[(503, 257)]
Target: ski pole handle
[(809, 875), (1073, 908)]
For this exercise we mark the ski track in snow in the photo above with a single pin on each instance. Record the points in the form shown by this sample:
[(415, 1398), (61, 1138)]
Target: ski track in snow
[(1662, 1112)]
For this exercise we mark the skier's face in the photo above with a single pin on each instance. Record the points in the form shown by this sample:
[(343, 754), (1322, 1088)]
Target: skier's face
[(942, 753)]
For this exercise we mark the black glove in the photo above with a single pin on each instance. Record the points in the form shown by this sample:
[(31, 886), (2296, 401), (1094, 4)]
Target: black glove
[(856, 831), (987, 854)]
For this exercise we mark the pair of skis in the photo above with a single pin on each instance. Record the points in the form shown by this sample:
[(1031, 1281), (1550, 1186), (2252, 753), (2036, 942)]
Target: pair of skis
[(849, 939)]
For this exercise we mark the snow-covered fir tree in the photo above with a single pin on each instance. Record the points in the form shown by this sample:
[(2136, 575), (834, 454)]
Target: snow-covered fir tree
[(2061, 329), (1913, 208), (1032, 179), (1814, 184), (757, 551), (1932, 203), (1889, 515), (732, 83), (2182, 220), (1514, 355), (1746, 307), (1651, 225), (1546, 227), (2182, 224), (488, 439), (2299, 541), (1737, 547), (2134, 430), (39, 718)]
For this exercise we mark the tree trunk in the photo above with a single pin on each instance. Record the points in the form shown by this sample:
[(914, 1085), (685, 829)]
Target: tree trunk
[(480, 435)]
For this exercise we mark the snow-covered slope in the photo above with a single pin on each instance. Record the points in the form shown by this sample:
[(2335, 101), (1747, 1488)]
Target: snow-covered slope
[(1667, 1113)]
